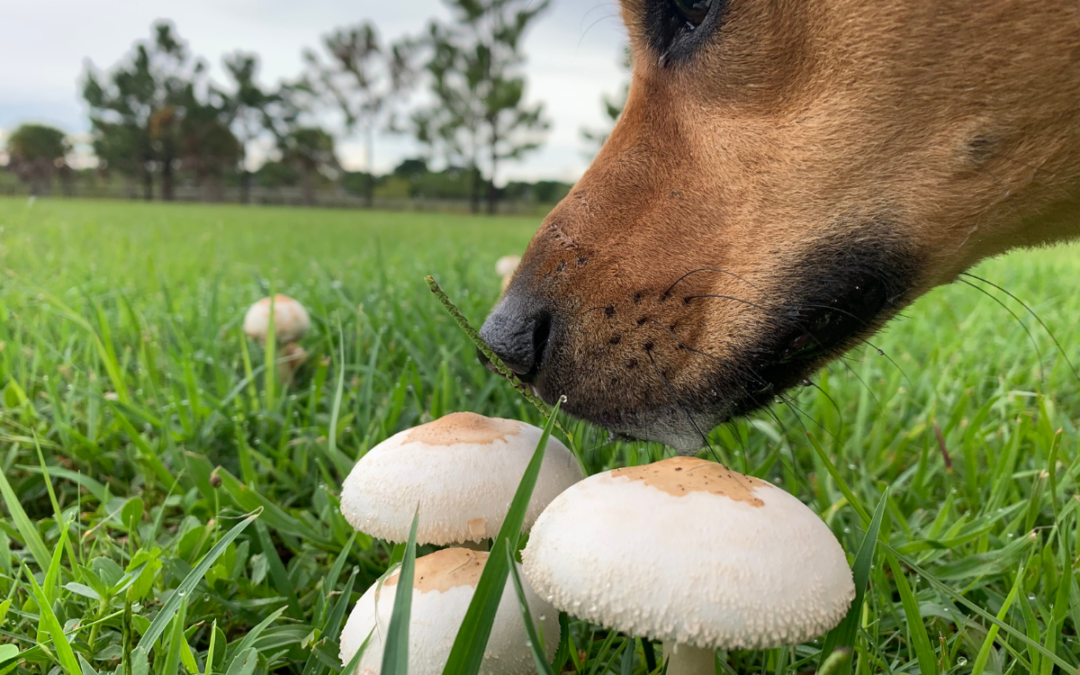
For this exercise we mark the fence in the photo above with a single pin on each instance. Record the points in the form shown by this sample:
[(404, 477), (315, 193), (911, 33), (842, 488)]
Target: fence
[(281, 196)]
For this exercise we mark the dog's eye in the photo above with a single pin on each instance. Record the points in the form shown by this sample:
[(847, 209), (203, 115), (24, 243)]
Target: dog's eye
[(694, 11)]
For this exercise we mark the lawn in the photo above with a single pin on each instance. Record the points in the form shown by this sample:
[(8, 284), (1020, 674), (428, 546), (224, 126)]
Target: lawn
[(137, 429)]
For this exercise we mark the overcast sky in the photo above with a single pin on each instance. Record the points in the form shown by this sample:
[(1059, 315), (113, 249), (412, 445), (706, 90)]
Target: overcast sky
[(573, 57)]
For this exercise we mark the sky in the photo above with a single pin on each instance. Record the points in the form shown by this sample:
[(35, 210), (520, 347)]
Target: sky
[(573, 51)]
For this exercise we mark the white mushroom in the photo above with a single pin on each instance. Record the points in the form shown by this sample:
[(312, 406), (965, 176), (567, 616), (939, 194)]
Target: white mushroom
[(720, 560), (506, 265), (291, 320), (463, 470), (505, 268), (443, 586)]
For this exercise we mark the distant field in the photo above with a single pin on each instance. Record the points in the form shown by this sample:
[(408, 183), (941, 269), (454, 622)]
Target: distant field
[(121, 356)]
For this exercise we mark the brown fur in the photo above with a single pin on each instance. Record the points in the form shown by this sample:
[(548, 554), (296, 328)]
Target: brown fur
[(942, 131)]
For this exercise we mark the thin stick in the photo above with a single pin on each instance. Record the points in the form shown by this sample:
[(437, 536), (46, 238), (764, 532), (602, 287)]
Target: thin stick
[(464, 324), (491, 356)]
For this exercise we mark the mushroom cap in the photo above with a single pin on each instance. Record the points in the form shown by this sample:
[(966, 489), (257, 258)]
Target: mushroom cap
[(291, 320), (443, 586), (506, 265), (689, 551), (462, 469)]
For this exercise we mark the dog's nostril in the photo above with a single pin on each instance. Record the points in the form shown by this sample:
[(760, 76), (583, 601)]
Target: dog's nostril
[(518, 337)]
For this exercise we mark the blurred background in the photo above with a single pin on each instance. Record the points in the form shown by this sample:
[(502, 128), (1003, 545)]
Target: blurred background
[(450, 105)]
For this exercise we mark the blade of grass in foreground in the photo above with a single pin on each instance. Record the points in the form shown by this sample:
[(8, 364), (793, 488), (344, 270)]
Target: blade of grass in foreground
[(64, 654), (31, 538), (535, 645), (396, 653), (844, 634), (169, 609), (467, 654)]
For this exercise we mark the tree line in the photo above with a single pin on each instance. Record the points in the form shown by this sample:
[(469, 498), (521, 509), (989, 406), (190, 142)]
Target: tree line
[(157, 116)]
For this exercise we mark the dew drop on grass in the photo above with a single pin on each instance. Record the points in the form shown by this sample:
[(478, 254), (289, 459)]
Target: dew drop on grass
[(961, 661)]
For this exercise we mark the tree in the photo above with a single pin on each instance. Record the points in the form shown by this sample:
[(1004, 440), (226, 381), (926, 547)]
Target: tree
[(142, 102), (36, 155), (613, 107), (247, 106), (479, 117), (364, 81), (310, 150), (208, 148)]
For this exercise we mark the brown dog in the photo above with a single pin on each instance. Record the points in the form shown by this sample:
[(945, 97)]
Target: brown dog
[(786, 176)]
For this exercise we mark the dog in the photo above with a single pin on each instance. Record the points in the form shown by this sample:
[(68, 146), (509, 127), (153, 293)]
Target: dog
[(786, 176)]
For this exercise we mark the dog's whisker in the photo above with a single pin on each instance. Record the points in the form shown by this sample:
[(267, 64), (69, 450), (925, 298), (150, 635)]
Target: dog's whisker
[(667, 293), (1030, 335), (799, 411), (1034, 315), (681, 406)]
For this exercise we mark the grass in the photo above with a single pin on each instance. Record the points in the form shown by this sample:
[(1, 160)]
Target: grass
[(139, 432)]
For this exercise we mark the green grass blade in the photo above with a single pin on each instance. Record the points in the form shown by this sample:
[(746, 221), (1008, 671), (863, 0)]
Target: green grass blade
[(208, 667), (278, 572), (248, 642), (467, 654), (270, 356), (244, 663), (176, 640), (396, 653), (61, 646), (536, 646), (844, 634), (31, 538), (991, 635), (340, 461), (946, 590), (350, 667), (919, 638), (331, 628), (169, 609)]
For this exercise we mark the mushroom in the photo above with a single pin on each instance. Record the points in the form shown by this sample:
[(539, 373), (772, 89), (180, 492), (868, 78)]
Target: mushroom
[(463, 469), (443, 586), (291, 321), (721, 560), (505, 268)]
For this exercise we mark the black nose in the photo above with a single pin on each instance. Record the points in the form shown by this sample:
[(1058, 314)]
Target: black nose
[(517, 331)]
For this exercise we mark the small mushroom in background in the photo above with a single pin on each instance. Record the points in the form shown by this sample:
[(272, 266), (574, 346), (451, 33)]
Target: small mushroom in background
[(462, 469), (505, 268), (720, 560), (291, 322), (443, 586)]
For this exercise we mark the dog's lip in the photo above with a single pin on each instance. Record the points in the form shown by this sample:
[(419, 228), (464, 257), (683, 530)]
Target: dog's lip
[(526, 376)]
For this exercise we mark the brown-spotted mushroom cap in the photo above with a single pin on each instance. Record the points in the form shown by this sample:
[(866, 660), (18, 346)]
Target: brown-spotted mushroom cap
[(720, 560), (506, 265), (443, 586), (291, 320), (462, 469)]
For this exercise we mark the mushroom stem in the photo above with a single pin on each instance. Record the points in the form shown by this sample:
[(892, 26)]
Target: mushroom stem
[(686, 660)]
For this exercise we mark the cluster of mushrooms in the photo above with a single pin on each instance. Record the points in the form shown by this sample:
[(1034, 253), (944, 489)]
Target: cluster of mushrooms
[(683, 550)]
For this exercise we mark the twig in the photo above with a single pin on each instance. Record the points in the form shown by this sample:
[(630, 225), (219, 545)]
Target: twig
[(464, 324), (501, 367)]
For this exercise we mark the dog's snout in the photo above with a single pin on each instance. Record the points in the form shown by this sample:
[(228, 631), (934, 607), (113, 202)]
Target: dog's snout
[(518, 333)]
